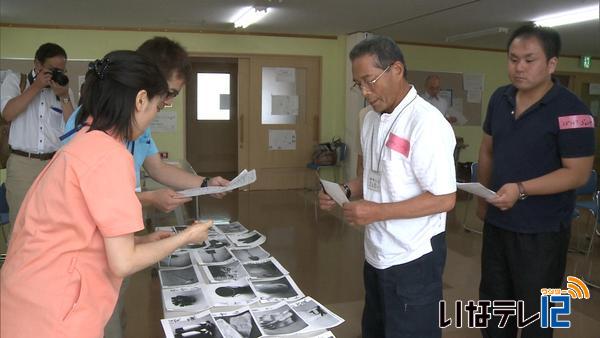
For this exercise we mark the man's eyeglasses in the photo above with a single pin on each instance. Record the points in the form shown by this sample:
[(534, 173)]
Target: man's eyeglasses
[(370, 85), (172, 93)]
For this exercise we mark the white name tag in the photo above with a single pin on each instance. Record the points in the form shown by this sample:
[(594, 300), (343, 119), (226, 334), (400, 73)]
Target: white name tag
[(374, 182)]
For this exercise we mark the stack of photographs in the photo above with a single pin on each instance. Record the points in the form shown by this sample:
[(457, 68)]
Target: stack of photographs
[(231, 269), (280, 319)]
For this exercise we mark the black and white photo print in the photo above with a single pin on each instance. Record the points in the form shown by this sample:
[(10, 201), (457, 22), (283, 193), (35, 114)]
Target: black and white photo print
[(278, 319)]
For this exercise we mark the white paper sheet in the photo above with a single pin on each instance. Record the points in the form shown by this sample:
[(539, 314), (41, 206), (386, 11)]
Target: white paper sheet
[(476, 188), (472, 81), (244, 178), (474, 96), (282, 139), (335, 191), (284, 104)]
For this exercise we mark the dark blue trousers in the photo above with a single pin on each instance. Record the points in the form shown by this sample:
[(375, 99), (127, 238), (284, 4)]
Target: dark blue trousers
[(515, 266), (402, 301)]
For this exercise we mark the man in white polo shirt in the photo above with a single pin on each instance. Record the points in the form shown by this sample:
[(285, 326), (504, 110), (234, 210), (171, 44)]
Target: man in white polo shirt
[(408, 185)]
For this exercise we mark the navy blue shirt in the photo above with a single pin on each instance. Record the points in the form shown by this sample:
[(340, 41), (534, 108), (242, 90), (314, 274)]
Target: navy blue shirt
[(558, 126)]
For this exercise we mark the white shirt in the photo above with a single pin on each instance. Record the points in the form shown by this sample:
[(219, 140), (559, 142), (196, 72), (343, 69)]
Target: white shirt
[(37, 129), (416, 157), (439, 102)]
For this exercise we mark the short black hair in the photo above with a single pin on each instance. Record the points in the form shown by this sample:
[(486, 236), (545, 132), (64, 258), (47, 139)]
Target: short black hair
[(49, 50), (170, 57), (385, 50), (548, 38), (111, 87)]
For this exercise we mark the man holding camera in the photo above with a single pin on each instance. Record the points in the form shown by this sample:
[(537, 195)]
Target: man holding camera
[(36, 106)]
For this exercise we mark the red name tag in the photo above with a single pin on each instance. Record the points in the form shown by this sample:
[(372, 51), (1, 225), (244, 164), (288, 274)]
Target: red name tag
[(398, 144), (575, 122)]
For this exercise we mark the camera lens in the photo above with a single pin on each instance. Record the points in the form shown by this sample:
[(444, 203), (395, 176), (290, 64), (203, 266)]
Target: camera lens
[(60, 78)]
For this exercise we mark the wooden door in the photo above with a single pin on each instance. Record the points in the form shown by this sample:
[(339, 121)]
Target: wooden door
[(211, 141), (280, 124)]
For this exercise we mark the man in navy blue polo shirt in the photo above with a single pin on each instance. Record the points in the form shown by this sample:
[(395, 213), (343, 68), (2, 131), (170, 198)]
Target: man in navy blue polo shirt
[(538, 147)]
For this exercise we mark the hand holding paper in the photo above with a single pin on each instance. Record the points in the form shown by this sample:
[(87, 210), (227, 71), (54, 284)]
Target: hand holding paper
[(244, 178), (334, 191), (476, 188)]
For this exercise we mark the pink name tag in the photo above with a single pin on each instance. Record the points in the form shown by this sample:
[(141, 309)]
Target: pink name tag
[(398, 144), (575, 122)]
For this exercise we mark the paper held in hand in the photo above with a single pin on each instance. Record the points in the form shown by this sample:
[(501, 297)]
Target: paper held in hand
[(476, 188), (244, 178), (335, 191)]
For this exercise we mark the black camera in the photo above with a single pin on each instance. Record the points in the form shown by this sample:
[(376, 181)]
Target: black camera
[(59, 77)]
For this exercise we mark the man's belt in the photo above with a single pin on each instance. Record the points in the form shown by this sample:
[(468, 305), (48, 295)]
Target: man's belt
[(42, 157)]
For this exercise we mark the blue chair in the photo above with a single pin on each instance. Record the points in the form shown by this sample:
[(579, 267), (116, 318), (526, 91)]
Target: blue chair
[(587, 274), (474, 167), (589, 189)]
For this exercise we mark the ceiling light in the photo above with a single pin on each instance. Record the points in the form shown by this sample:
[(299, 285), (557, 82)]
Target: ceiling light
[(568, 17), (476, 34), (249, 15)]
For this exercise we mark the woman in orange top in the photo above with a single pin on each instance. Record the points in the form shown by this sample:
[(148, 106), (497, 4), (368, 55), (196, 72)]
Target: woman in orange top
[(73, 239)]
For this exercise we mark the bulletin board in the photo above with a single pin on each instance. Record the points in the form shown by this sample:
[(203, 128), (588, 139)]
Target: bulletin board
[(76, 70), (466, 104)]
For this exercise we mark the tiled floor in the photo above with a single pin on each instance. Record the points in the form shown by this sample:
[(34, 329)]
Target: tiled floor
[(325, 258)]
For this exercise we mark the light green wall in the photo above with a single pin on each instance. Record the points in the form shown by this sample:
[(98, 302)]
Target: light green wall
[(491, 64), (91, 44)]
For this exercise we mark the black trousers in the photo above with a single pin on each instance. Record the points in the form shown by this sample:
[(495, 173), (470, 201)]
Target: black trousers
[(403, 300), (515, 266)]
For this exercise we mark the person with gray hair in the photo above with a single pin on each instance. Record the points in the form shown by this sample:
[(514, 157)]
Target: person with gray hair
[(408, 185)]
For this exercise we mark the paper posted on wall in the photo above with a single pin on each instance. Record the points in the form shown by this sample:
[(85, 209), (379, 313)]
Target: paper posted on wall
[(476, 188), (244, 178)]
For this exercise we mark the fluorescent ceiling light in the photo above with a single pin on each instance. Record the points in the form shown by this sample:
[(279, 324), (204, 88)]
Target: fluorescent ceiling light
[(569, 17), (249, 15), (476, 34)]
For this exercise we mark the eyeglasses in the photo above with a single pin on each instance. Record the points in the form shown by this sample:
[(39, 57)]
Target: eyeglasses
[(370, 85), (172, 93)]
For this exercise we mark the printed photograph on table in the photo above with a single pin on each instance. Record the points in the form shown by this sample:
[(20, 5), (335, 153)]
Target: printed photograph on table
[(278, 319), (212, 256), (219, 273), (245, 255), (198, 325), (276, 289), (231, 228), (214, 242), (248, 239), (230, 294), (238, 323), (315, 314), (178, 277), (268, 268), (177, 259), (190, 299)]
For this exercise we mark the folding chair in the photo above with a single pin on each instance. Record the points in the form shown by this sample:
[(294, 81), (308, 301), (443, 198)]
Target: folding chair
[(589, 189), (587, 274)]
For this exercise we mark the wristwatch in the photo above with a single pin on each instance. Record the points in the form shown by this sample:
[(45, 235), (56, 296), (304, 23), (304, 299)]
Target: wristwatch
[(65, 99), (522, 193), (205, 182), (347, 190)]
